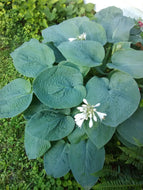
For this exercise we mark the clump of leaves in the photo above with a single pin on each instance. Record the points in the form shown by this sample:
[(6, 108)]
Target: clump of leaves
[(78, 61)]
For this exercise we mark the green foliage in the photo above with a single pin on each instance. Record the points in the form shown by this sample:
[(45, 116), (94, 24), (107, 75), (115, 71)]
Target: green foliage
[(124, 171), (22, 20), (110, 97), (84, 160)]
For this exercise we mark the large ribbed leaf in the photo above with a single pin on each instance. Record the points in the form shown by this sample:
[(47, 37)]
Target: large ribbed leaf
[(51, 126), (32, 57), (129, 61), (132, 129), (35, 147), (99, 134), (119, 97), (83, 53), (116, 25), (85, 159), (60, 87), (15, 97), (56, 161)]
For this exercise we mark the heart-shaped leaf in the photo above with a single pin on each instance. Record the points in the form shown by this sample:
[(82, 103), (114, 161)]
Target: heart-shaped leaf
[(15, 97), (119, 97), (60, 87), (83, 53), (132, 129), (129, 61), (56, 161), (51, 126), (85, 159), (32, 57)]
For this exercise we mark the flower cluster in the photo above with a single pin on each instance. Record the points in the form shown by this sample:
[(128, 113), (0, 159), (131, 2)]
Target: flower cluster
[(140, 25), (88, 111), (80, 37)]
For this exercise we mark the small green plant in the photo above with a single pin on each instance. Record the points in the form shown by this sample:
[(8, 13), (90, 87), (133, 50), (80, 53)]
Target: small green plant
[(78, 61), (22, 20)]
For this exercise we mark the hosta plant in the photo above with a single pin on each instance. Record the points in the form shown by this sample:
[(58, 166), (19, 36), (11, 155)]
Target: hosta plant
[(87, 85)]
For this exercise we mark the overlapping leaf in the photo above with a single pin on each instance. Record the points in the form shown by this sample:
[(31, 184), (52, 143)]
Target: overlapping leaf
[(116, 25), (132, 129), (72, 28), (37, 106), (32, 57), (93, 31), (83, 53), (56, 161), (35, 147), (99, 134), (48, 125), (15, 97), (60, 87)]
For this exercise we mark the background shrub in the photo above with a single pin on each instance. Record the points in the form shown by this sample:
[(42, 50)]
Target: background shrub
[(24, 19)]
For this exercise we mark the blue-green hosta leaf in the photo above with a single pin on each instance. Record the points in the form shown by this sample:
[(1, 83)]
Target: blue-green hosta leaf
[(15, 97), (132, 129), (77, 135), (94, 31), (99, 134), (51, 126), (119, 97), (32, 57), (83, 53), (116, 25), (63, 31), (56, 161), (60, 87), (35, 147), (129, 61), (37, 106), (85, 159)]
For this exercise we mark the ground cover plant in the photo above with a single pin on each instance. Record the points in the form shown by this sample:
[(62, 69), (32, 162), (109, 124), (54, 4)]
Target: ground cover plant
[(71, 66)]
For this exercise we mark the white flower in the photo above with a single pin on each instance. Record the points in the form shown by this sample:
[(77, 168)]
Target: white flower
[(80, 37), (88, 111), (72, 39)]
